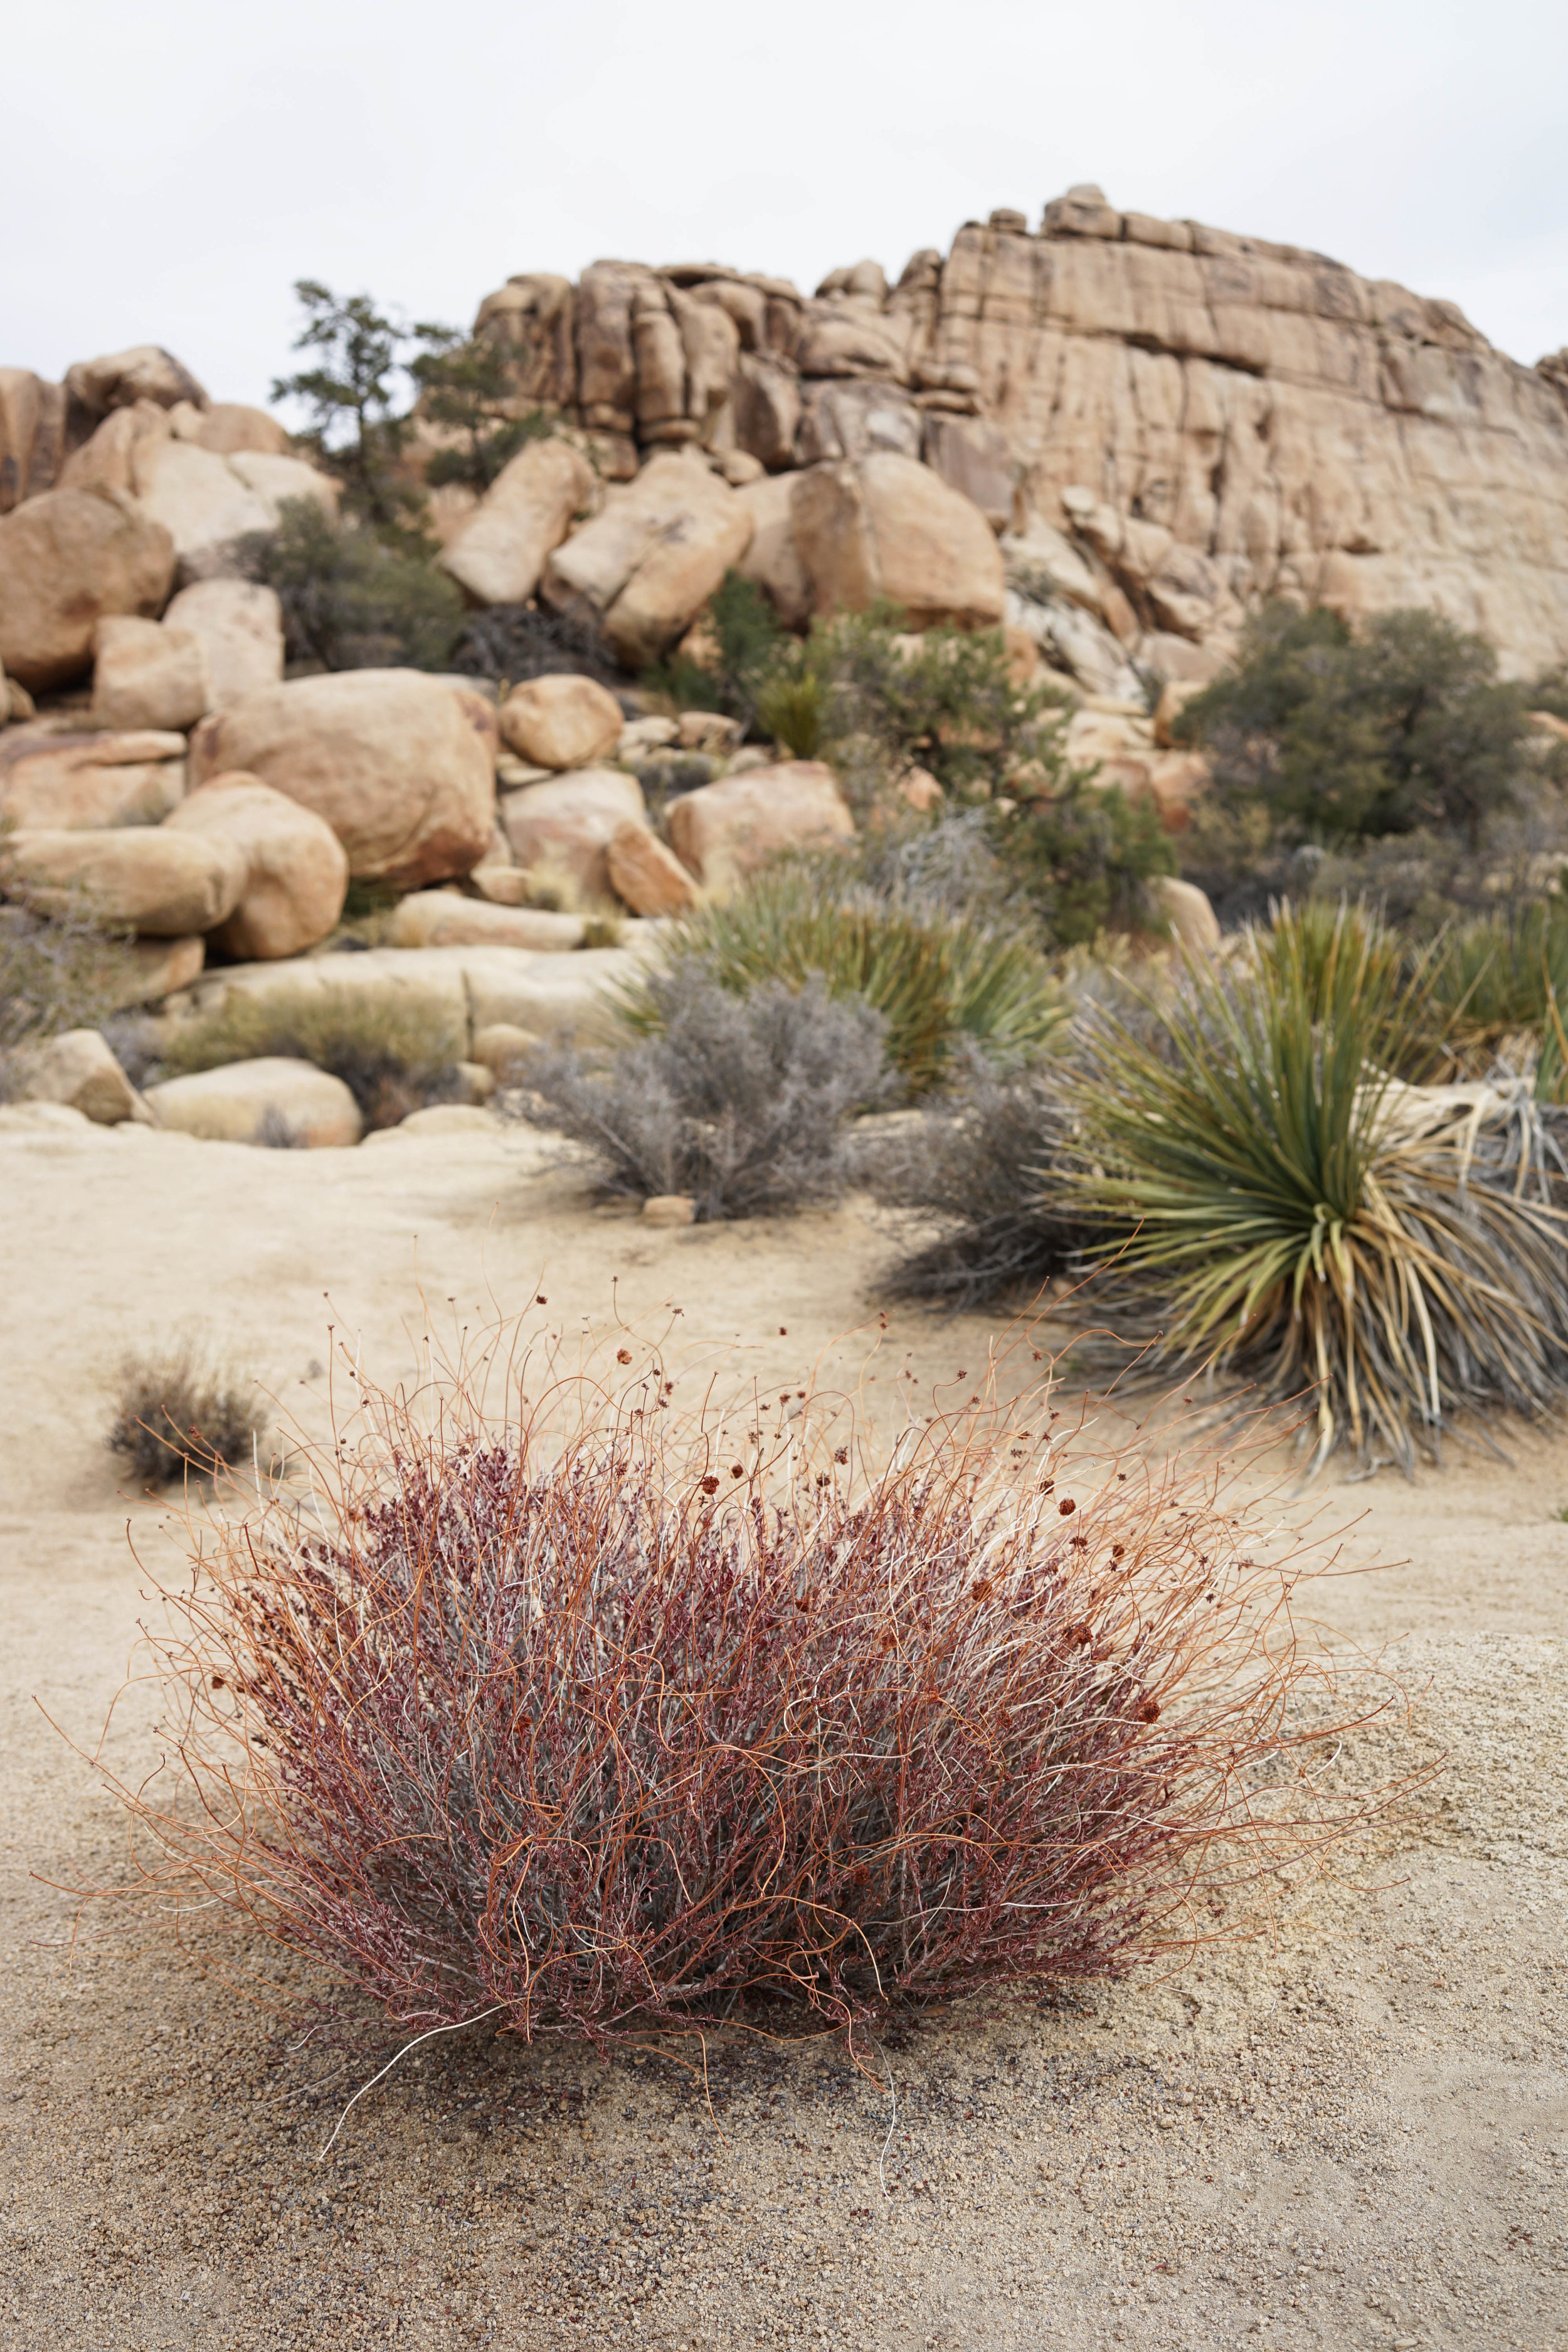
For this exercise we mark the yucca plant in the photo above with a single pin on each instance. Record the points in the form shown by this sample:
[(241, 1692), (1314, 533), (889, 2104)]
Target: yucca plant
[(935, 978), (792, 708), (1286, 1212)]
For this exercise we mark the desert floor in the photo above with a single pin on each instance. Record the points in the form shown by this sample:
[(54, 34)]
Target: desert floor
[(1351, 2131)]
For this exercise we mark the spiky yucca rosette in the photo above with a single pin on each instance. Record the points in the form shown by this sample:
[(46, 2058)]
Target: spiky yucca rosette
[(596, 1717)]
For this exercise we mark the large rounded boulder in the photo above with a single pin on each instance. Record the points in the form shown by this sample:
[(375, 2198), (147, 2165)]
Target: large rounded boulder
[(66, 558), (400, 765), (297, 871)]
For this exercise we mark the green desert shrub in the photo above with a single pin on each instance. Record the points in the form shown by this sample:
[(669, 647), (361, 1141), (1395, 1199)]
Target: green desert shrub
[(934, 980), (1274, 1203), (1084, 859), (748, 645), (739, 1101), (353, 598), (1342, 736), (183, 1410), (792, 710), (392, 1059)]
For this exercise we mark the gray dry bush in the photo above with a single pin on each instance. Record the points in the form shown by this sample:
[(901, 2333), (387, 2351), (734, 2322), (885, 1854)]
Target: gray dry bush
[(182, 1410), (740, 1101), (985, 1160)]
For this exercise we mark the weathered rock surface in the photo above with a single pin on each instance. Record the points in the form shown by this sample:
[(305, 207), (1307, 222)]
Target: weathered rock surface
[(67, 558), (498, 555), (888, 527), (81, 782), (296, 869), (566, 826), (402, 766), (240, 625), (561, 721), (78, 1068), (146, 673), (270, 1100), (648, 564), (148, 879), (722, 831), (1203, 418), (646, 876), (773, 559), (146, 371)]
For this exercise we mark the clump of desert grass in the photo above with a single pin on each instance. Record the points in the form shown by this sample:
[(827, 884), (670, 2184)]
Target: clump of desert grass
[(536, 1697), (182, 1410), (394, 1058)]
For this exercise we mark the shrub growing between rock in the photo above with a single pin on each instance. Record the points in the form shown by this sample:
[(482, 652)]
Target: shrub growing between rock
[(392, 1059)]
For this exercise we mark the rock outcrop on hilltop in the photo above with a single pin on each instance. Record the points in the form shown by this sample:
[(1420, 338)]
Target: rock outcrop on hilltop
[(1164, 421)]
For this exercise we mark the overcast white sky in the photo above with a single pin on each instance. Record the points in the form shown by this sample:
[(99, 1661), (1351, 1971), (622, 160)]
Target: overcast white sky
[(168, 171)]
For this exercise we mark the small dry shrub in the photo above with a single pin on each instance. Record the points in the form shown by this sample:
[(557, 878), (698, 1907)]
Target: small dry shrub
[(740, 1101), (593, 1717), (180, 1411)]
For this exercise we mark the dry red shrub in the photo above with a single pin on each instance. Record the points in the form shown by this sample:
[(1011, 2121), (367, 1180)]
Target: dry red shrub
[(573, 1717)]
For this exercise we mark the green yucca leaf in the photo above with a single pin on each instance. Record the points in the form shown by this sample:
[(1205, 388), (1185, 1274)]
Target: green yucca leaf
[(1259, 1183)]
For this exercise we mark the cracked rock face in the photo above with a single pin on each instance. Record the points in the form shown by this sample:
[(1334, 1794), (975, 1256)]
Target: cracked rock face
[(1203, 418)]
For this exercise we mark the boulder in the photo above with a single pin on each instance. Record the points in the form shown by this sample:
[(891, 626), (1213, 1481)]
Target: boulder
[(441, 1119), (850, 418), (229, 428), (67, 558), (107, 458), (502, 1047), (206, 503), (296, 869), (145, 674), (148, 879), (566, 825), (269, 1100), (402, 766), (147, 372), (78, 1068), (709, 731), (773, 559), (1186, 910), (646, 876), (148, 971), (561, 721), (498, 555), (32, 435), (142, 878), (83, 783), (889, 528), (240, 625), (724, 831), (440, 919), (549, 995), (643, 568)]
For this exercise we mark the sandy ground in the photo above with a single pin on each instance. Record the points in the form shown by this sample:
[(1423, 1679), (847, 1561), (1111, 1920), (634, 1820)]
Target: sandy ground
[(1353, 2132)]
